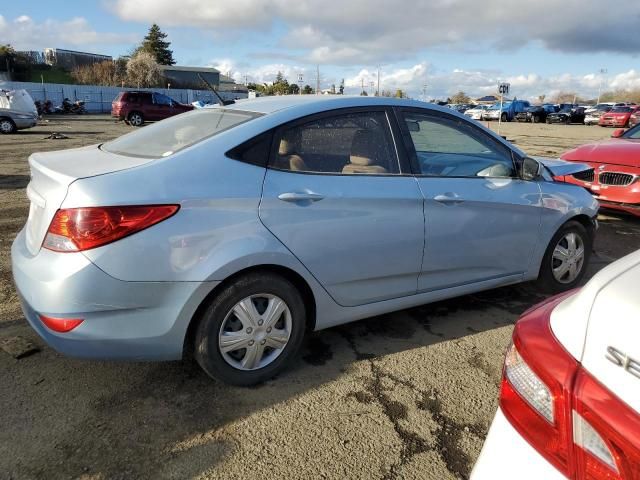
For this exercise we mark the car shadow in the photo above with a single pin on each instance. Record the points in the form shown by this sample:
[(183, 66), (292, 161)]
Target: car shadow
[(14, 182)]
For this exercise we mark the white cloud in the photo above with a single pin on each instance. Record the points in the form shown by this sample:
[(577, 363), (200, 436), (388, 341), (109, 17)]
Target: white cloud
[(483, 82), (26, 34), (391, 30)]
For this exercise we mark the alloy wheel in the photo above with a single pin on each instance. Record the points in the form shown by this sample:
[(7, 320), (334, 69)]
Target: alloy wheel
[(6, 126), (255, 332)]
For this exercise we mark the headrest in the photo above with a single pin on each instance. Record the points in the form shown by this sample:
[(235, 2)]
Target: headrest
[(290, 142), (363, 148)]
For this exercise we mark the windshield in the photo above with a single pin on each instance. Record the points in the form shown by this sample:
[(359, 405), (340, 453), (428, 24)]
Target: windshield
[(621, 110), (173, 134)]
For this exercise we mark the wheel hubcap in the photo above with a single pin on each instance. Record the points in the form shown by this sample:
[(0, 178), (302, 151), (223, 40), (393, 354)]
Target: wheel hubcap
[(255, 332), (568, 258), (6, 126)]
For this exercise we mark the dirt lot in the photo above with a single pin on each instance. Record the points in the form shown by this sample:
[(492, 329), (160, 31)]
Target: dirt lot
[(407, 395)]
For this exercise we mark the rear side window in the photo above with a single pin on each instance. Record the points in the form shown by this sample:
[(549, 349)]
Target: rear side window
[(350, 143), (255, 151), (176, 133)]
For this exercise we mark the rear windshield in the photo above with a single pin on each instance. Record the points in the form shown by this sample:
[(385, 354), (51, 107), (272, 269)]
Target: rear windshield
[(173, 134), (621, 109)]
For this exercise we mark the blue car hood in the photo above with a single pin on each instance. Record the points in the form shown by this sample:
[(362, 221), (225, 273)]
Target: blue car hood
[(560, 168)]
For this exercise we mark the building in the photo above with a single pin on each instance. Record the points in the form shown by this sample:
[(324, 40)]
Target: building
[(188, 77), (69, 59)]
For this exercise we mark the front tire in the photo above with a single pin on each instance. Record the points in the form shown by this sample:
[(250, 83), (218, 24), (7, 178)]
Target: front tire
[(504, 117), (252, 330), (566, 259), (7, 126), (536, 119)]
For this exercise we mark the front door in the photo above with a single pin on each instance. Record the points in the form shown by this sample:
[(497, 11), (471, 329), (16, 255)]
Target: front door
[(335, 197), (481, 219)]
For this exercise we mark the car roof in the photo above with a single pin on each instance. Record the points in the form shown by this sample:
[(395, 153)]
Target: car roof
[(273, 104)]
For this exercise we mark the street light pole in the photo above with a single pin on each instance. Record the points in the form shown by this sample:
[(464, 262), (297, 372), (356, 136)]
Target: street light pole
[(378, 89), (603, 72)]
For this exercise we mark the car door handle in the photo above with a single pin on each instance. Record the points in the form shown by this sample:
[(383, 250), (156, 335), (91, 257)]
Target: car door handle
[(449, 197), (300, 197)]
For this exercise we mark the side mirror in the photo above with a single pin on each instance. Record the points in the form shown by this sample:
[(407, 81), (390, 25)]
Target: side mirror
[(413, 126), (531, 169), (617, 133)]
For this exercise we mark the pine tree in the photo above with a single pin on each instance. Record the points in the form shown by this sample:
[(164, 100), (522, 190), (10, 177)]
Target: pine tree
[(155, 44)]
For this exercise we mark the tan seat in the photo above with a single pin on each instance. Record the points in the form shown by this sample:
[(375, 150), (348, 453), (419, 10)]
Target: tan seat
[(288, 157), (365, 152)]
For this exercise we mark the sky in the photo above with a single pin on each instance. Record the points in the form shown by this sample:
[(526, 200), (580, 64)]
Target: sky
[(432, 47)]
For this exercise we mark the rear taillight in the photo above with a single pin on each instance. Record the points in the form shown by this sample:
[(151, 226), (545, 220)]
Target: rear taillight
[(537, 380), (577, 424), (77, 229)]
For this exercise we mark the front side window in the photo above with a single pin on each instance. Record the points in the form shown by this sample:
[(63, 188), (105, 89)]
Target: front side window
[(452, 148), (352, 143)]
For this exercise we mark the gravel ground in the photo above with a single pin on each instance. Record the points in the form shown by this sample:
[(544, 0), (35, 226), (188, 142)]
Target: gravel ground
[(406, 395)]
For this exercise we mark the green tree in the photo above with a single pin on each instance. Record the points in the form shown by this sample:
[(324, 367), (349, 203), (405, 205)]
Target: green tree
[(400, 94), (293, 89), (341, 88), (364, 93), (7, 57), (281, 85), (155, 44), (460, 97), (307, 90)]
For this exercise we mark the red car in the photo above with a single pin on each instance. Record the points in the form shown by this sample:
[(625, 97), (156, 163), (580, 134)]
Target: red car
[(137, 107), (615, 178), (618, 116)]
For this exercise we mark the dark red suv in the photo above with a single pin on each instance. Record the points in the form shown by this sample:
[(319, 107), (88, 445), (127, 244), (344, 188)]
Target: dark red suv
[(136, 108)]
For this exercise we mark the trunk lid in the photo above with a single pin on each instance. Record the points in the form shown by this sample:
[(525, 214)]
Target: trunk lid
[(612, 344), (51, 175)]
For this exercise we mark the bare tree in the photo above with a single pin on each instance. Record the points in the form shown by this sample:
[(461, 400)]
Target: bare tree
[(460, 97), (143, 71)]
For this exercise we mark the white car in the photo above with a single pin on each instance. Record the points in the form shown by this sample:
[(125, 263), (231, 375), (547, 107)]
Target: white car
[(476, 112), (570, 392)]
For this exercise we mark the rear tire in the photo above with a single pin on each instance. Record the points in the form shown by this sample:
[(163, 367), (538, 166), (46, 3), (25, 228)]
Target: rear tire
[(562, 265), (7, 126), (136, 119), (246, 361), (536, 119), (504, 117)]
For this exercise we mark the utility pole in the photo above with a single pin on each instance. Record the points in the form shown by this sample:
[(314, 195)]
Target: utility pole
[(424, 92), (371, 85), (378, 90), (603, 72), (317, 79), (300, 82), (362, 85)]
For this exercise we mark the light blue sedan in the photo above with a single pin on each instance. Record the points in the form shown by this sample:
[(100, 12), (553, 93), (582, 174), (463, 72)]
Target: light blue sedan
[(230, 232)]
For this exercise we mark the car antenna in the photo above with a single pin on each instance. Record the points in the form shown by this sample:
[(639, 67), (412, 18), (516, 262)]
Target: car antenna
[(221, 101)]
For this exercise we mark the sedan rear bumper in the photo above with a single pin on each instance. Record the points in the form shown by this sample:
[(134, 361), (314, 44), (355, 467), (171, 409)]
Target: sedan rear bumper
[(121, 320), (506, 455)]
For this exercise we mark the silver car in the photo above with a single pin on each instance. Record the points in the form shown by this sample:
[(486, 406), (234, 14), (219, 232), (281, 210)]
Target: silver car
[(231, 232), (13, 120)]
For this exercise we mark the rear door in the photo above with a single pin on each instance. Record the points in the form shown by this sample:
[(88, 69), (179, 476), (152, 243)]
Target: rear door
[(336, 196), (482, 221)]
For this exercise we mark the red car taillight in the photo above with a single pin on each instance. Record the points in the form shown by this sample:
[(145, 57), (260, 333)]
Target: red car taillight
[(77, 229), (577, 424)]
